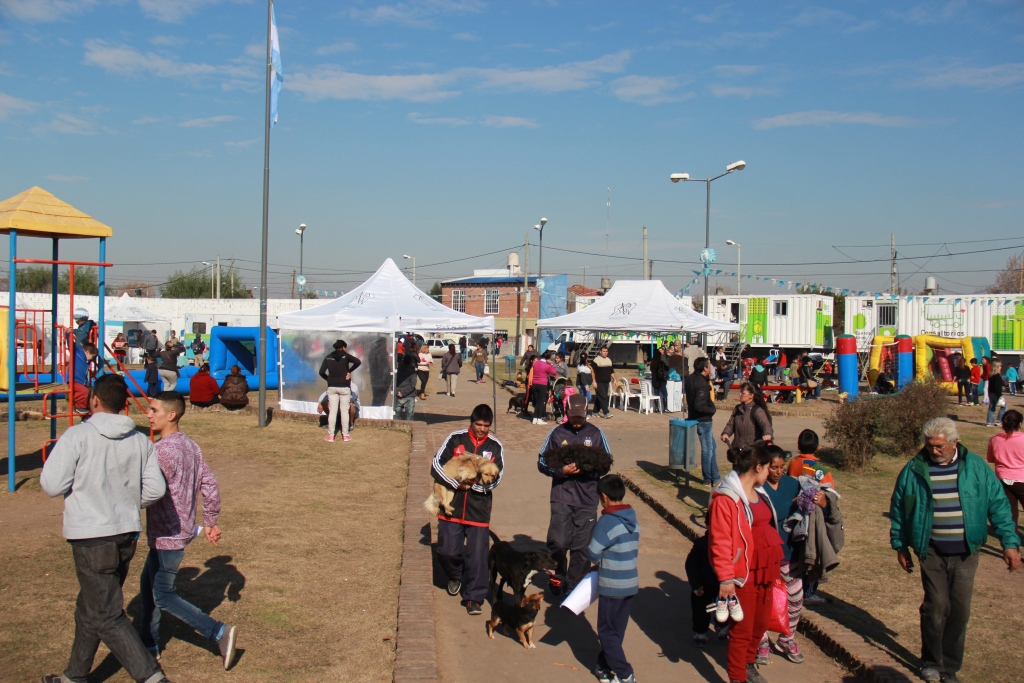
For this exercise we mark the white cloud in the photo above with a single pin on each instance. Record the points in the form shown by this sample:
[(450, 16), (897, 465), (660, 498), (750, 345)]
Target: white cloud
[(147, 120), (45, 10), (330, 82), (509, 122), (167, 41), (123, 60), (68, 124), (171, 11), (647, 90), (825, 118), (468, 37), (737, 70), (67, 178), (981, 77), (745, 93), (570, 76), (207, 122), (241, 143), (418, 13), (416, 117), (337, 48), (930, 11), (10, 106)]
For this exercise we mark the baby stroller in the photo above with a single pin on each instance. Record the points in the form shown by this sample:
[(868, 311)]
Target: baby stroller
[(557, 397)]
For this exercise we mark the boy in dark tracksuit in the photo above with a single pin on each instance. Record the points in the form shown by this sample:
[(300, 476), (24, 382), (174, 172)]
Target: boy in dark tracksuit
[(614, 549), (574, 496), (463, 538), (152, 377), (703, 589)]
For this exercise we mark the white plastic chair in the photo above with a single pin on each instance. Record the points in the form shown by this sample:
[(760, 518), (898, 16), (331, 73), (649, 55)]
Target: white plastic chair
[(627, 394), (647, 397), (617, 392)]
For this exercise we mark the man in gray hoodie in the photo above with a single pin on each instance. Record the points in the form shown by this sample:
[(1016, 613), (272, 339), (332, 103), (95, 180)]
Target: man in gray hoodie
[(106, 471)]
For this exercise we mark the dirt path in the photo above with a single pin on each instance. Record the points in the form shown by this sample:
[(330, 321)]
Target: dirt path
[(658, 641)]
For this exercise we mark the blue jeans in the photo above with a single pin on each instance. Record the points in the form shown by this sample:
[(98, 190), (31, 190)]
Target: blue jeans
[(663, 395), (158, 594), (993, 410), (479, 370), (708, 457), (405, 407)]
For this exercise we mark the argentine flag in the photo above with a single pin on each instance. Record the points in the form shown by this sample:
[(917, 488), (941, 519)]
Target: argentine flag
[(276, 79)]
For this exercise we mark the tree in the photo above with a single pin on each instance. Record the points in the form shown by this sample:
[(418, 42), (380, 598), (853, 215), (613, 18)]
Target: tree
[(198, 284), (1010, 280), (87, 281), (436, 291), (34, 279)]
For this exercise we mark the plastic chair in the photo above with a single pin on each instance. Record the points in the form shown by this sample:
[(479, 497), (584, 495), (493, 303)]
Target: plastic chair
[(626, 394), (647, 397)]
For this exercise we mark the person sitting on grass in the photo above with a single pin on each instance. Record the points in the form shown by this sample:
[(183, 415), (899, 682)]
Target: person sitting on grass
[(203, 390), (614, 548), (170, 527), (234, 393)]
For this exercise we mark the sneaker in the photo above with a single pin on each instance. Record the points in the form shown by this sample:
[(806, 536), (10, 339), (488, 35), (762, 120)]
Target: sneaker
[(735, 611), (346, 437), (329, 438), (631, 678), (700, 640), (790, 650), (55, 678), (227, 645), (603, 675), (950, 678), (814, 600), (763, 656), (473, 608), (454, 587), (930, 673), (721, 610), (753, 676), (542, 422), (608, 415)]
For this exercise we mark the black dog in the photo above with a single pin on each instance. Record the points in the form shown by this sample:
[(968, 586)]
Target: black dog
[(517, 403), (516, 569), (588, 459)]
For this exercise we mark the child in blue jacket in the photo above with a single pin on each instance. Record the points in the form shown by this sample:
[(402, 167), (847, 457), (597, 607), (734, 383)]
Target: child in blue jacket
[(614, 548)]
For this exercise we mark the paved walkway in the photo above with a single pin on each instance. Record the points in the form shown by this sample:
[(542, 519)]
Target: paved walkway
[(658, 641)]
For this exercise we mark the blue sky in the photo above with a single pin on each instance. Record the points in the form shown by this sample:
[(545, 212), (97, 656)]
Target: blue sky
[(446, 129)]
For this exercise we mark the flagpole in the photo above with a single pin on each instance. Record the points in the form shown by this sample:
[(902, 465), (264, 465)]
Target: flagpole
[(262, 352)]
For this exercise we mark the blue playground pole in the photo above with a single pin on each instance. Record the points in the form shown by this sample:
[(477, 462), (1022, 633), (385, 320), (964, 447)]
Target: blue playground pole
[(12, 359), (101, 315), (904, 360), (846, 360)]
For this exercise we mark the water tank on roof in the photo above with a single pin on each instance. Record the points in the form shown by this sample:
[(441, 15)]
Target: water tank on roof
[(930, 285), (513, 263)]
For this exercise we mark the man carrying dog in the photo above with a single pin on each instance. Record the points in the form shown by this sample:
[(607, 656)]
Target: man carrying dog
[(574, 496), (463, 538)]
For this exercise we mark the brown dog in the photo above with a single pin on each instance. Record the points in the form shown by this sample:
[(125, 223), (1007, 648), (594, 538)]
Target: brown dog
[(466, 469), (520, 617)]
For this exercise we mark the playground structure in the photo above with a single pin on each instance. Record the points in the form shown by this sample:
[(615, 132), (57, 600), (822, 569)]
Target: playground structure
[(904, 358)]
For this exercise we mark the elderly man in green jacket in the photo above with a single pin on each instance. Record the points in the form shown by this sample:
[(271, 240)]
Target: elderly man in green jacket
[(941, 507)]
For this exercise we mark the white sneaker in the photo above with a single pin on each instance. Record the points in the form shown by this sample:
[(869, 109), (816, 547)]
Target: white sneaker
[(542, 422), (721, 611), (735, 611)]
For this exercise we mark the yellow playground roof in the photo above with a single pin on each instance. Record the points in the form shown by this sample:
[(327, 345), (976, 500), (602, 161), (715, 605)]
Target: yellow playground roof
[(38, 213)]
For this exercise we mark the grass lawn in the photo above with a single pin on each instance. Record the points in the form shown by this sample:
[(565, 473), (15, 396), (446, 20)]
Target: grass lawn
[(871, 595), (308, 566)]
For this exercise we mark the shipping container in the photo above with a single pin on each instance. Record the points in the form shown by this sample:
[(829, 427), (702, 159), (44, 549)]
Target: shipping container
[(997, 317), (791, 321)]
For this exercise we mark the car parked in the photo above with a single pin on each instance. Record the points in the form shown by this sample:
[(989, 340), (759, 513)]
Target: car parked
[(439, 347)]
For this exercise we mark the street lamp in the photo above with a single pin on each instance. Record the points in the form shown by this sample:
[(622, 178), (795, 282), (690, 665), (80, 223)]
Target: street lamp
[(413, 267), (540, 265), (301, 232), (738, 246), (685, 177), (584, 269), (210, 265)]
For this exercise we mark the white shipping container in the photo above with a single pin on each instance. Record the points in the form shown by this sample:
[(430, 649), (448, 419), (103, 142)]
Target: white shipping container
[(997, 317), (802, 321)]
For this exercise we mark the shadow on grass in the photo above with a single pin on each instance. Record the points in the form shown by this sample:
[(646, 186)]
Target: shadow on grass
[(864, 623), (697, 496), (28, 462), (204, 589)]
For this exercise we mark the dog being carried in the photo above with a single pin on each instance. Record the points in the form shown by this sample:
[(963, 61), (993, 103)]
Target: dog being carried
[(467, 470)]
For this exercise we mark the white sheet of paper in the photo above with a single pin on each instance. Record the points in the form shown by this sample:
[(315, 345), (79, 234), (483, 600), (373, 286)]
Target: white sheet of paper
[(583, 595)]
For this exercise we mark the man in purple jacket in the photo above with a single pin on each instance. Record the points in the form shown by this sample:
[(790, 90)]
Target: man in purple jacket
[(170, 526)]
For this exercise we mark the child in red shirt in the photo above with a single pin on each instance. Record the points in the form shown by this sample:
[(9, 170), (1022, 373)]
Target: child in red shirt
[(975, 381), (806, 462)]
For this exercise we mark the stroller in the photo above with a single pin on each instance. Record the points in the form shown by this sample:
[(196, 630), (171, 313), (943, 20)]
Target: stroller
[(556, 399)]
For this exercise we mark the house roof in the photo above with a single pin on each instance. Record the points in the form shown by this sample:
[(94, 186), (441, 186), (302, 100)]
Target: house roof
[(580, 290), (489, 281)]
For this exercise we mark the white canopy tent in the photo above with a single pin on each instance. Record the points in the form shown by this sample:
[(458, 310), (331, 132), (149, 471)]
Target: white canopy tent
[(638, 306), (385, 304), (126, 310)]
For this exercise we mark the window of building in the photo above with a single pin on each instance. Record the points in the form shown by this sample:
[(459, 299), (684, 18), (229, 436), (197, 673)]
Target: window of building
[(781, 308), (886, 315), (459, 300), (491, 302)]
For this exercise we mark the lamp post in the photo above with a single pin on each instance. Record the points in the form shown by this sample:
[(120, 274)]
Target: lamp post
[(685, 177), (413, 267), (301, 232), (210, 266), (540, 264), (738, 246), (584, 269)]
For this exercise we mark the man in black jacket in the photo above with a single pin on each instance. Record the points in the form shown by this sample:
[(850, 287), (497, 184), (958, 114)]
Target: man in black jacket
[(574, 496), (405, 388), (337, 369), (463, 538), (702, 409)]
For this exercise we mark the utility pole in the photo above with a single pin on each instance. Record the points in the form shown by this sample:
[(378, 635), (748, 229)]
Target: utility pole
[(231, 274), (607, 228), (650, 270), (293, 284), (892, 263), (646, 277), (584, 269), (218, 276)]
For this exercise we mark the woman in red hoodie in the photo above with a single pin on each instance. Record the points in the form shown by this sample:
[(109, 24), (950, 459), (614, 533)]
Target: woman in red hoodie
[(203, 391), (746, 551)]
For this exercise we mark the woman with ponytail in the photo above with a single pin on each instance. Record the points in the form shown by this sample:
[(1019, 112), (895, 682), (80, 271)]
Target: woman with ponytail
[(746, 552), (750, 420)]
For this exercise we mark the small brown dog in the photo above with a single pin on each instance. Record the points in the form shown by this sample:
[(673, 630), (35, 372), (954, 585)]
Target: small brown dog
[(466, 469), (520, 617)]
